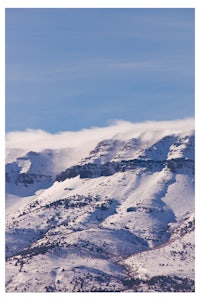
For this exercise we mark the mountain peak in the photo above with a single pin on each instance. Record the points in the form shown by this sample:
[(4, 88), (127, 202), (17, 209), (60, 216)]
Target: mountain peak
[(119, 218)]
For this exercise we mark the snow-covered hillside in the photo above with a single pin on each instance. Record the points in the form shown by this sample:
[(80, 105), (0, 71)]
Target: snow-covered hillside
[(118, 218)]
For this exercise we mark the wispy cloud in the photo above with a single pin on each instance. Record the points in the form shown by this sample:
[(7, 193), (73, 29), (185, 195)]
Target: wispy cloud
[(94, 68), (37, 140), (130, 65), (82, 69)]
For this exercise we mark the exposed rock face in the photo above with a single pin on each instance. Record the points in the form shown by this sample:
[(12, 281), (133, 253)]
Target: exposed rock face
[(110, 168), (120, 219)]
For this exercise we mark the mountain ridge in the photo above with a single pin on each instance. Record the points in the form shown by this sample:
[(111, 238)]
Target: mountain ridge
[(95, 222)]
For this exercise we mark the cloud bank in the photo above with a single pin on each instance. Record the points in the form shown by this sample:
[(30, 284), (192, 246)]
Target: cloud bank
[(37, 140)]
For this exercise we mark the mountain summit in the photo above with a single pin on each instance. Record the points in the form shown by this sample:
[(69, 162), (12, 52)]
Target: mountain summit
[(120, 218)]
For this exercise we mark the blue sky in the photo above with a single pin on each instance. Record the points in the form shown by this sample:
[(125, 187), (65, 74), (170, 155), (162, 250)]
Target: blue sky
[(68, 69)]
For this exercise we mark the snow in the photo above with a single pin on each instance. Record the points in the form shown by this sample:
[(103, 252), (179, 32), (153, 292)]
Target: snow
[(90, 234), (180, 196), (174, 258)]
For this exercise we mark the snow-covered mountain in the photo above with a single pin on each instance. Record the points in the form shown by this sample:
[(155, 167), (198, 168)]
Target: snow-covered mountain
[(120, 218)]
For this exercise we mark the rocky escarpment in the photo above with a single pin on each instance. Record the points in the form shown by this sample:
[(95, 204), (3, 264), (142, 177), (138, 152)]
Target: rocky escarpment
[(118, 220), (92, 170), (28, 173), (110, 156)]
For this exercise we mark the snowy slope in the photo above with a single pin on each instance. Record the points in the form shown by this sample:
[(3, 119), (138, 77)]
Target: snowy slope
[(32, 171), (119, 219)]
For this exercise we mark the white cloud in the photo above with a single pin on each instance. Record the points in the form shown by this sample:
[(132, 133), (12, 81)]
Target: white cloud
[(85, 139)]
